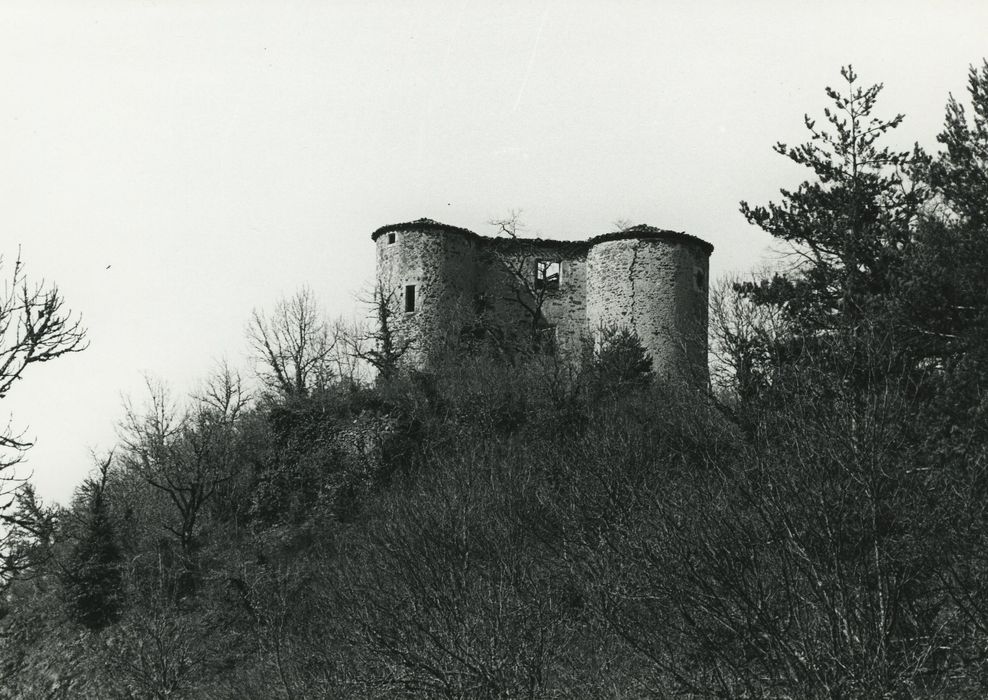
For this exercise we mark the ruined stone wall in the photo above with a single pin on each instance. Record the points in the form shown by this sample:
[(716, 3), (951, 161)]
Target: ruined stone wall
[(496, 287), (658, 289), (563, 307), (566, 308), (649, 281)]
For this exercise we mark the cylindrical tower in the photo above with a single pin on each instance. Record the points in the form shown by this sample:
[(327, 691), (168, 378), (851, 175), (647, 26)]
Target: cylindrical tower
[(653, 283), (426, 272)]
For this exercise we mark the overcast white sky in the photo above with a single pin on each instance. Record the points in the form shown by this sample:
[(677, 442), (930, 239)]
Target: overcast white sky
[(217, 155)]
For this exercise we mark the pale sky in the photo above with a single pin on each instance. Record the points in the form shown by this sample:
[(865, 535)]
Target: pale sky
[(218, 155)]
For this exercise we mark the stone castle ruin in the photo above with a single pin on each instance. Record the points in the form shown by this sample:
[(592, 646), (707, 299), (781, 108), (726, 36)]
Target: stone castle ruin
[(438, 279)]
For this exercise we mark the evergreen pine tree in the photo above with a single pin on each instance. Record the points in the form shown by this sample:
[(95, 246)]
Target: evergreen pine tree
[(849, 226), (944, 298), (93, 578)]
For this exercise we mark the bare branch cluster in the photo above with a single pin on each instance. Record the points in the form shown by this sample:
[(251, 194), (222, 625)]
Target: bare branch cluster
[(185, 452), (35, 327), (293, 345), (380, 344), (520, 258), (742, 337)]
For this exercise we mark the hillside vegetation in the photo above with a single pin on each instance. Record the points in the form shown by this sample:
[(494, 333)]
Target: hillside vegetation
[(812, 525)]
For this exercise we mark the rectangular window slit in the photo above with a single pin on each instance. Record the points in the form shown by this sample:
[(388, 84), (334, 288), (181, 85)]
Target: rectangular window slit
[(391, 238), (409, 298)]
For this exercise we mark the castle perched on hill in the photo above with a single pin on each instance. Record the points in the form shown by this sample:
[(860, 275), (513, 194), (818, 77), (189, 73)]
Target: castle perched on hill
[(647, 280)]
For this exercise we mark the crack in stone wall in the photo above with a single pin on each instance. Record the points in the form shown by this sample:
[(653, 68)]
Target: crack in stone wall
[(632, 276)]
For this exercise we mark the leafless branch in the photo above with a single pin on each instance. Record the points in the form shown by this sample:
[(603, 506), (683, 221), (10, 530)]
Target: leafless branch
[(35, 327), (382, 345), (293, 345)]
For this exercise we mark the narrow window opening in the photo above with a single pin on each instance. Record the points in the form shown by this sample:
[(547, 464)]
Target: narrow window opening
[(409, 298), (698, 278), (547, 273), (391, 238)]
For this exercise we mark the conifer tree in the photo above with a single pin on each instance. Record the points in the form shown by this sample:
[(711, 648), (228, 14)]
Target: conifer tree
[(943, 318), (93, 577), (620, 362), (959, 176), (944, 297), (30, 528), (849, 225)]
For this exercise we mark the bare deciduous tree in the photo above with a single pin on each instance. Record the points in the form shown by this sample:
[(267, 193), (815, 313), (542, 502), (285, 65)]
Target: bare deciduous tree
[(185, 453), (528, 273), (380, 345), (159, 653), (35, 327), (743, 336), (293, 344), (349, 368)]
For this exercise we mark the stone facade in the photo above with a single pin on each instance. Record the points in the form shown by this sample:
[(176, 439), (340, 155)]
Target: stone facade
[(439, 278)]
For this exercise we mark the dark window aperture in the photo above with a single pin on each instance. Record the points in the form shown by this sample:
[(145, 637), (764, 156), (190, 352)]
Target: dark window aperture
[(547, 273), (391, 238), (409, 298)]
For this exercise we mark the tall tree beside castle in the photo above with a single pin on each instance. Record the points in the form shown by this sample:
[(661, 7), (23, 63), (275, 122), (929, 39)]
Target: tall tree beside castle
[(944, 300), (850, 226)]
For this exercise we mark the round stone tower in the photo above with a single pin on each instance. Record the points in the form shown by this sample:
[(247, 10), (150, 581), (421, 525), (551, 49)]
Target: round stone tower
[(654, 283), (426, 274)]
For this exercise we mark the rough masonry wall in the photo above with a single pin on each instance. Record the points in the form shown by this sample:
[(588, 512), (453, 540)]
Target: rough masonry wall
[(657, 289), (566, 308), (651, 282), (563, 309), (496, 287), (443, 269)]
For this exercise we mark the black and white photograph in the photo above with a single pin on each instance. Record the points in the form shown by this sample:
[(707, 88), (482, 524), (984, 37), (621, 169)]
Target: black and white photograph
[(455, 350)]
